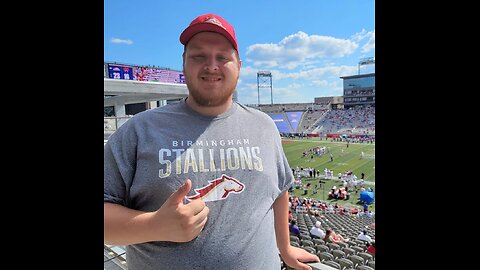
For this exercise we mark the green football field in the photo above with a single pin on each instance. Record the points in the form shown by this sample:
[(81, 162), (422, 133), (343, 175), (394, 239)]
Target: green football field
[(344, 159)]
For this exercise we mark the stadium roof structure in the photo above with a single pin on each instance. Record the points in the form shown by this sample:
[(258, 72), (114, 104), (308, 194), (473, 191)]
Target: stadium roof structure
[(129, 91), (358, 76)]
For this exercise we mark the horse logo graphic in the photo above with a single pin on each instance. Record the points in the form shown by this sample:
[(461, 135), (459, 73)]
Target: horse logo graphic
[(218, 189)]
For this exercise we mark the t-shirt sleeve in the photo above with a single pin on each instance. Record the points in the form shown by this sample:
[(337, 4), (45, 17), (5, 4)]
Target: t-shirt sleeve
[(285, 175), (119, 165)]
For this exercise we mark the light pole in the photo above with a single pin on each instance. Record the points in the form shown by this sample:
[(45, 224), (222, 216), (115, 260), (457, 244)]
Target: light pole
[(365, 61), (264, 80)]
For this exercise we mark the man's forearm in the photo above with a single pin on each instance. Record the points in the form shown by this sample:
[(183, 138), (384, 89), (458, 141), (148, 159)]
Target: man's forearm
[(124, 226), (280, 211)]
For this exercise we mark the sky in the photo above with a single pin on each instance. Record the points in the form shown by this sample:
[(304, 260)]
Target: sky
[(307, 45)]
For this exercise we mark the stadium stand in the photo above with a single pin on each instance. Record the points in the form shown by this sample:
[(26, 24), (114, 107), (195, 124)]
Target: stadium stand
[(358, 120), (320, 119), (294, 119), (281, 122), (344, 256)]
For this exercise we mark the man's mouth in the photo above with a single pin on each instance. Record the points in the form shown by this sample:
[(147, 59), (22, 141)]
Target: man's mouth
[(210, 78)]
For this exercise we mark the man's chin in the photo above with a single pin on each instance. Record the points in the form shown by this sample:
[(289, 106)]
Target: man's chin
[(212, 102)]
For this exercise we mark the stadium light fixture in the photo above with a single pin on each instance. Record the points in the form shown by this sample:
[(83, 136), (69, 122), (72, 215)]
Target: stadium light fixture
[(265, 75), (365, 61)]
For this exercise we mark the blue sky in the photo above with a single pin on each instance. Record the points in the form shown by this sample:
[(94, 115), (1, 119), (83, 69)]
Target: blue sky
[(307, 45)]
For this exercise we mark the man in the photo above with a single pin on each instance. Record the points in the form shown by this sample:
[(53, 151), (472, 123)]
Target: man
[(316, 231), (364, 236), (293, 228), (201, 184)]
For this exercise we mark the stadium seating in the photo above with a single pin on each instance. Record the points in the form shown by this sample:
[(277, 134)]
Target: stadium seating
[(345, 263), (344, 256), (349, 251), (366, 256), (325, 256), (333, 264), (364, 267), (357, 260)]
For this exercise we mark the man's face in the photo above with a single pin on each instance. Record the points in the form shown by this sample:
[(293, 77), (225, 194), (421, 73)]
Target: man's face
[(211, 67)]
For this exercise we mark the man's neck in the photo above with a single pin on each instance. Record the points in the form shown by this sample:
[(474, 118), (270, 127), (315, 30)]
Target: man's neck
[(207, 110)]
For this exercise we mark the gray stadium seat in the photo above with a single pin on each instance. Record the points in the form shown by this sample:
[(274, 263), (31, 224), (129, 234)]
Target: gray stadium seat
[(309, 249), (368, 257), (349, 251), (317, 241), (332, 264), (357, 260), (342, 245), (322, 248), (294, 244), (358, 249), (364, 267), (294, 238), (345, 263), (325, 256), (306, 243), (333, 246), (337, 253), (305, 236)]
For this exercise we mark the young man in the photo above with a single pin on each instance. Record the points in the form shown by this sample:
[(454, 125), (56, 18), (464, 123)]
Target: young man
[(201, 184)]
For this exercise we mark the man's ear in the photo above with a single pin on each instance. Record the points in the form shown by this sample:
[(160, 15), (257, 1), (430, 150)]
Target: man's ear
[(183, 61)]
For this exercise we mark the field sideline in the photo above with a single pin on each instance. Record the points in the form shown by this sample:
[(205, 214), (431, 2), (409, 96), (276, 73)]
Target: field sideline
[(344, 159)]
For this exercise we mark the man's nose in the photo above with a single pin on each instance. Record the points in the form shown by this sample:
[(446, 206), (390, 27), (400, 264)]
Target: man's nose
[(211, 64)]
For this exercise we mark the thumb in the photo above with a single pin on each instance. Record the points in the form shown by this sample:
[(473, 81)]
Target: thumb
[(177, 196)]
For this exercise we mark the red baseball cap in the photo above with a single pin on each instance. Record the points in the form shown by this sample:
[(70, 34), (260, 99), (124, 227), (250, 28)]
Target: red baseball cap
[(209, 23)]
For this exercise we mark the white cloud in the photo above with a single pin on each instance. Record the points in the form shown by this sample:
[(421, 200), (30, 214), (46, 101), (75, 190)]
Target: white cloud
[(318, 73), (324, 77), (369, 36), (370, 45), (320, 83), (357, 37), (294, 50), (303, 66), (119, 41)]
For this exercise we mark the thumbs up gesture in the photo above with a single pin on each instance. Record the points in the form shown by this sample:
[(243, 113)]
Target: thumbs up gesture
[(181, 222)]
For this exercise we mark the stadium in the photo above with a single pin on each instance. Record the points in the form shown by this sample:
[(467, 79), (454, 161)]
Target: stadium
[(329, 144)]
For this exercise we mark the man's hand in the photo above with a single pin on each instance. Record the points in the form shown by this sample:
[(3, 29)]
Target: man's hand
[(180, 222), (295, 258)]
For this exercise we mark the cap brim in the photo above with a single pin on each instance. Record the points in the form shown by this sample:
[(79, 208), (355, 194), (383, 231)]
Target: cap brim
[(192, 30)]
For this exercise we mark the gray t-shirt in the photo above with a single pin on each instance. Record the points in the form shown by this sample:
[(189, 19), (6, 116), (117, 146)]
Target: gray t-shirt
[(237, 166)]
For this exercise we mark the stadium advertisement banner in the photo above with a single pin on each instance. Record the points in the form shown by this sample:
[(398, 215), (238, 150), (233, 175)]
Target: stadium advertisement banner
[(120, 72), (158, 75), (294, 118), (345, 136)]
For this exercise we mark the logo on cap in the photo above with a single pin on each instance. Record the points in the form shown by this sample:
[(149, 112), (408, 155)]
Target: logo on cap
[(214, 21), (209, 23)]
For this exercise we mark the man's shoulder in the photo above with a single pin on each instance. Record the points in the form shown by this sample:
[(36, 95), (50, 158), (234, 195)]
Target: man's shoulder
[(175, 107), (255, 112)]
